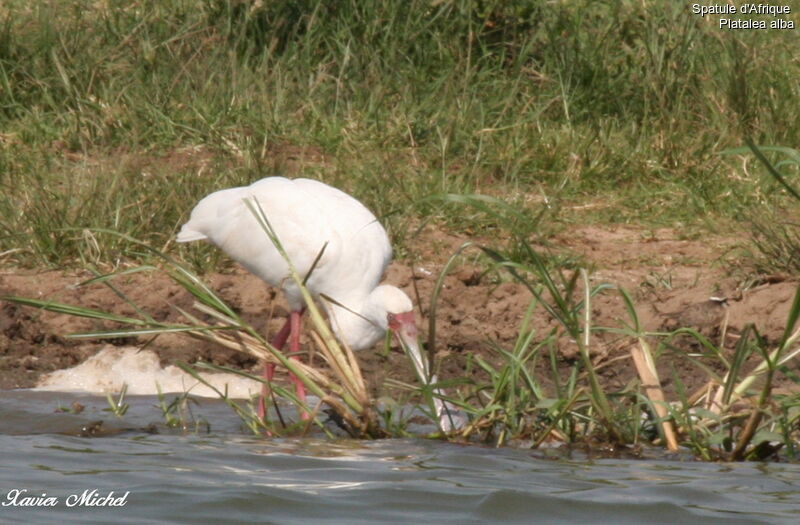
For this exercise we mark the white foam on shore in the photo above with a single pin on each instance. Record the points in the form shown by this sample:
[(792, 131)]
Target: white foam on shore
[(112, 367)]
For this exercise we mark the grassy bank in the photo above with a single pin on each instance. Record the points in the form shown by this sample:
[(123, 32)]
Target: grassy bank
[(122, 114), (118, 116)]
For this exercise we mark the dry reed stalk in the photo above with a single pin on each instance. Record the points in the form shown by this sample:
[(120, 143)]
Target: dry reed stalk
[(648, 376)]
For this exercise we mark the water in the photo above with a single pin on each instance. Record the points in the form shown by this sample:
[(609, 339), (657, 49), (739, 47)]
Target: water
[(226, 476)]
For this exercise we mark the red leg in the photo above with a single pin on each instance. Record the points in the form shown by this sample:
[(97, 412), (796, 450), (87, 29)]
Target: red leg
[(291, 331), (295, 319), (269, 369)]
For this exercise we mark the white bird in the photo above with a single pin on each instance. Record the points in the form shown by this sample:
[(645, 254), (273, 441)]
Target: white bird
[(307, 215)]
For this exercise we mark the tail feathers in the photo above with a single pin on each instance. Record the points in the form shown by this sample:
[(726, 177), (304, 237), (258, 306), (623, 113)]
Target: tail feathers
[(188, 235)]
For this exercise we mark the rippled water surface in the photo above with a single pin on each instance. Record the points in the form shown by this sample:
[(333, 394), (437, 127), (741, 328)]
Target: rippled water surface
[(227, 477)]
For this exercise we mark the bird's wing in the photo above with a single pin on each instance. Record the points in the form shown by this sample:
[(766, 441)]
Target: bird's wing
[(307, 217), (359, 248), (301, 220)]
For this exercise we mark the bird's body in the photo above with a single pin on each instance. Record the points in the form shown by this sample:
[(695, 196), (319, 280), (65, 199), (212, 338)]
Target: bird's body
[(308, 216)]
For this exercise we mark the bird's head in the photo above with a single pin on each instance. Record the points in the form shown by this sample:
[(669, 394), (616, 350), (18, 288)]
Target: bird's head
[(394, 311), (386, 309), (400, 321), (403, 326)]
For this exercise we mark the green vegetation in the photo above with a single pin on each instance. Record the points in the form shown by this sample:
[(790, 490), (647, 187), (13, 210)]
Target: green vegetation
[(736, 415), (121, 115), (339, 386), (118, 406), (178, 413), (775, 235), (504, 118)]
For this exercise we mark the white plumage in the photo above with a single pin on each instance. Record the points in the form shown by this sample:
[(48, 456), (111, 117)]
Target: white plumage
[(305, 215)]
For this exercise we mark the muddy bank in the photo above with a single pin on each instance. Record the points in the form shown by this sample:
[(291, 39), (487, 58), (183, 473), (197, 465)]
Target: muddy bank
[(672, 281)]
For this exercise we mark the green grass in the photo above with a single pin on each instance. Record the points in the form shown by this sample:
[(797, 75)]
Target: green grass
[(774, 235), (122, 115), (507, 119), (735, 416), (340, 386)]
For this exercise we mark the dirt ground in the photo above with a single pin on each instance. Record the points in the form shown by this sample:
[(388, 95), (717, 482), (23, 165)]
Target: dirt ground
[(670, 279)]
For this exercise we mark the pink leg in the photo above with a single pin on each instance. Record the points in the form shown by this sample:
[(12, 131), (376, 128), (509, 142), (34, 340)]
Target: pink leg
[(269, 369), (294, 347), (291, 331)]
